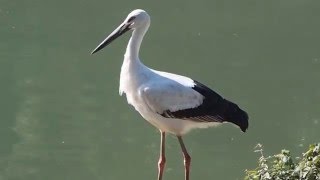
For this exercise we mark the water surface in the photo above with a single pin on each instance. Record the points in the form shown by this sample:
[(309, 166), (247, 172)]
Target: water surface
[(62, 117)]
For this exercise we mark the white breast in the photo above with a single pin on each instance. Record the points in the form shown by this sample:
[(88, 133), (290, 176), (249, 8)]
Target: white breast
[(133, 75)]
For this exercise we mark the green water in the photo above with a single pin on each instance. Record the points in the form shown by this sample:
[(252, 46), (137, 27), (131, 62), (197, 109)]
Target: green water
[(61, 117)]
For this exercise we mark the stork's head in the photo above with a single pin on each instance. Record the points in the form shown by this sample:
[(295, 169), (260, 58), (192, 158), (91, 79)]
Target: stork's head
[(136, 19)]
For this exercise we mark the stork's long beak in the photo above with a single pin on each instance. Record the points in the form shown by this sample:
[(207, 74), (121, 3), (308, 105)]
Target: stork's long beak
[(124, 27)]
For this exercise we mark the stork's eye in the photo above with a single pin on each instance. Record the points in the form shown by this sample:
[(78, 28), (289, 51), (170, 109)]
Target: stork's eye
[(131, 19)]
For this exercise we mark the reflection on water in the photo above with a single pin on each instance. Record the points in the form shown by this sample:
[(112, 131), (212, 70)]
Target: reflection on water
[(27, 127), (57, 130)]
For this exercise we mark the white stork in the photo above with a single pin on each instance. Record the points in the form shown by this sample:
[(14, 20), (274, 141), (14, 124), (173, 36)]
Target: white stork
[(172, 103)]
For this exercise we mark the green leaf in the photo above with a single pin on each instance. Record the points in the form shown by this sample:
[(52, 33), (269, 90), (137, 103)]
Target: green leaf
[(281, 166)]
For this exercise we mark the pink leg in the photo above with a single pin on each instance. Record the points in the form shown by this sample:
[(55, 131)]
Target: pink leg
[(162, 158), (187, 159)]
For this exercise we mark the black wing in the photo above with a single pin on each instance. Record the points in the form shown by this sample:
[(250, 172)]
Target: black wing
[(214, 108)]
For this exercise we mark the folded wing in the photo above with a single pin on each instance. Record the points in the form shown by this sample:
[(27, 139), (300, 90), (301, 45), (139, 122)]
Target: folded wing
[(198, 103)]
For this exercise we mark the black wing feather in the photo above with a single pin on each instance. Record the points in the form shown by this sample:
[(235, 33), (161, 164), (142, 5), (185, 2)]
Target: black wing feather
[(214, 108)]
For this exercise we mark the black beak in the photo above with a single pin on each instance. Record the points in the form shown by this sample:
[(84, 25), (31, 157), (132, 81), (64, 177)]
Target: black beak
[(124, 27)]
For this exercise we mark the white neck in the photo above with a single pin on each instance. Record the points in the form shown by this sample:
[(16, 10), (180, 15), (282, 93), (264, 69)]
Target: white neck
[(131, 64), (133, 47)]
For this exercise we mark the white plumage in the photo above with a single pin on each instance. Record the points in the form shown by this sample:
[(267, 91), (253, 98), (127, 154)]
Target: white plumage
[(170, 102), (152, 92)]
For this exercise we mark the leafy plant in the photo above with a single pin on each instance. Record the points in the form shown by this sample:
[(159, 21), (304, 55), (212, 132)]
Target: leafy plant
[(282, 167)]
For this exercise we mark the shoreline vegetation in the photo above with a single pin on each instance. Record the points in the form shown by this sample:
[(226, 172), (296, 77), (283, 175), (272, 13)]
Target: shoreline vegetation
[(283, 166)]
